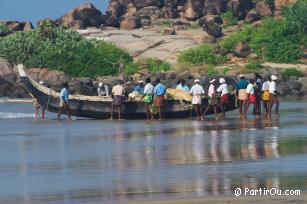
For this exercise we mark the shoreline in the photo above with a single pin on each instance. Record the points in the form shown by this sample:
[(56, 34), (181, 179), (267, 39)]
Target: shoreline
[(224, 199)]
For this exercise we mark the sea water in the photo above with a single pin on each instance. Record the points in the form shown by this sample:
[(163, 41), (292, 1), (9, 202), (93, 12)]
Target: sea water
[(92, 161)]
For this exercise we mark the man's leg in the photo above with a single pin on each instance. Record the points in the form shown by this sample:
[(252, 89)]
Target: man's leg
[(240, 106), (277, 106), (36, 113), (206, 110), (160, 113), (43, 113), (112, 112), (60, 112), (68, 112), (119, 112)]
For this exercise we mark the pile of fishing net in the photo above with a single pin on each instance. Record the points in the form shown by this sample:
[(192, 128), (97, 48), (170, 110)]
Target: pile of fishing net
[(171, 93), (177, 94)]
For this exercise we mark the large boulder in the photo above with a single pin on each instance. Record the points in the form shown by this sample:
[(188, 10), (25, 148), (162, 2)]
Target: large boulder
[(151, 12), (214, 7), (85, 15), (212, 25), (52, 78), (5, 68), (82, 86), (279, 4), (252, 16), (18, 26), (263, 9), (144, 3), (193, 9), (242, 50), (130, 23), (240, 8)]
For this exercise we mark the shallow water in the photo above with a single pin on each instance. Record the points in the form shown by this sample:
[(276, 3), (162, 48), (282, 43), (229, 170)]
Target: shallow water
[(89, 161)]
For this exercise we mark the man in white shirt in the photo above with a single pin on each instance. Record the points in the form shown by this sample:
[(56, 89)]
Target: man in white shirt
[(273, 96), (197, 91), (223, 89), (212, 98), (252, 98)]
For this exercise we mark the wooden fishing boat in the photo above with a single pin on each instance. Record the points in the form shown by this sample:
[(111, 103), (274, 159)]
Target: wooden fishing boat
[(99, 107)]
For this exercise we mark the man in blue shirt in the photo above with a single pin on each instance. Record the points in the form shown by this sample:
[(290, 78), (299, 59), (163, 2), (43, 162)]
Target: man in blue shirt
[(241, 94), (64, 105), (159, 92), (140, 87)]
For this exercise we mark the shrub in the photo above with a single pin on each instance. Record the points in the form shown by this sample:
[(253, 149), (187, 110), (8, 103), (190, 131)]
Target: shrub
[(154, 65), (253, 65), (4, 30), (229, 19), (64, 50), (226, 69), (195, 26), (274, 42), (211, 71), (203, 54), (287, 73), (296, 17), (244, 34)]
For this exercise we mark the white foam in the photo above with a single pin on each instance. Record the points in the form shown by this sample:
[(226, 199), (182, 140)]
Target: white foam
[(4, 115)]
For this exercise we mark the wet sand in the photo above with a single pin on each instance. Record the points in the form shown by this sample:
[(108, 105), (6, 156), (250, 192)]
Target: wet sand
[(173, 161), (228, 199)]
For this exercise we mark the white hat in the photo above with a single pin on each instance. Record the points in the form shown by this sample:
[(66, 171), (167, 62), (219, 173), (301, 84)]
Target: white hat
[(41, 82), (212, 81), (222, 80), (274, 77), (141, 81), (20, 66), (196, 80), (100, 84), (241, 75)]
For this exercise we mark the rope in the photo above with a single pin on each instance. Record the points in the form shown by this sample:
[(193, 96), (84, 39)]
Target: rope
[(47, 106)]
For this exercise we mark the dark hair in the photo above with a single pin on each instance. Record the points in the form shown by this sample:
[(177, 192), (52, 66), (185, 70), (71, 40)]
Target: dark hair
[(158, 81), (182, 81), (252, 81), (65, 85), (242, 77), (148, 80), (257, 75)]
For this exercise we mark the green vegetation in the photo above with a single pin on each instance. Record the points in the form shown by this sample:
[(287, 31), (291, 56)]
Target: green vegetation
[(195, 26), (226, 69), (287, 73), (244, 34), (253, 65), (203, 54), (167, 23), (275, 40), (211, 71), (65, 50), (154, 65), (4, 30), (229, 19)]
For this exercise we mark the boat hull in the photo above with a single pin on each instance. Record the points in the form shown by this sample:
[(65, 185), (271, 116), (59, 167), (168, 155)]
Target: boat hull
[(101, 109)]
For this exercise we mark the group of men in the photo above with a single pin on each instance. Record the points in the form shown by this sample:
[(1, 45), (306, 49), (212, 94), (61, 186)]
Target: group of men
[(259, 93), (254, 91), (153, 96)]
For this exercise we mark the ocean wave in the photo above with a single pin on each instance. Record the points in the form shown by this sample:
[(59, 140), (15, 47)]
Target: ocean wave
[(4, 115)]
